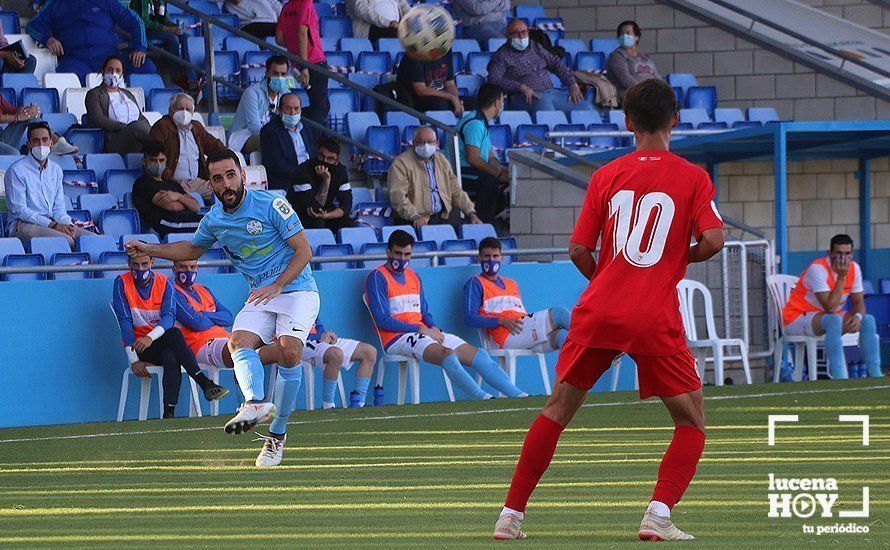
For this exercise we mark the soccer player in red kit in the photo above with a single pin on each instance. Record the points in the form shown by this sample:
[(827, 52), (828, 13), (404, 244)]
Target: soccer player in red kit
[(645, 206)]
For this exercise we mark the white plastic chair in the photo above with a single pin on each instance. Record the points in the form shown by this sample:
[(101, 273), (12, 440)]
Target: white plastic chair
[(145, 392), (61, 82), (687, 290), (139, 94), (218, 132), (152, 117), (75, 101), (507, 359), (309, 384), (616, 373), (256, 177), (94, 79), (213, 374), (408, 367)]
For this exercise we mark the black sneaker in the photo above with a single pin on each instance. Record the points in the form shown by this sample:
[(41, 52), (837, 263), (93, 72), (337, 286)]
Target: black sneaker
[(168, 411), (214, 392)]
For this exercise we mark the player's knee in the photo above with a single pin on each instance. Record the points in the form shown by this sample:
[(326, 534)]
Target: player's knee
[(365, 352), (333, 356), (291, 355), (237, 341)]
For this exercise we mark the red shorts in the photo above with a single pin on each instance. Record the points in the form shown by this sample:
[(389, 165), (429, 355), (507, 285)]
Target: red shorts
[(660, 375)]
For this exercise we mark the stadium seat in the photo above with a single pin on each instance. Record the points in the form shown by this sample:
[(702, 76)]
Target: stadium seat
[(47, 246), (195, 51), (585, 117), (552, 118), (694, 116), (529, 13), (144, 237), (457, 244), (215, 254), (729, 116), (683, 81), (45, 98), (514, 118), (7, 160), (501, 137), (520, 137), (10, 96), (133, 161), (477, 63), (602, 141), (361, 195), (604, 46), (220, 34), (59, 122), (355, 46), (364, 80), (81, 216), (385, 232), (78, 182), (573, 46), (465, 46), (573, 142), (508, 243), (179, 237), (103, 162), (97, 203), (324, 10), (119, 222), (239, 45), (701, 97), (386, 140), (339, 59), (335, 27), (69, 258), (617, 118), (18, 81), (762, 115), (252, 75), (159, 99), (712, 126), (495, 43), (422, 246), (89, 140), (11, 245), (111, 258), (357, 236), (147, 82), (438, 234), (590, 61), (477, 232), (205, 6), (357, 124), (65, 162), (372, 248), (470, 83), (318, 237), (333, 250), (23, 260), (342, 102), (374, 62), (400, 120), (10, 22), (61, 82), (445, 117)]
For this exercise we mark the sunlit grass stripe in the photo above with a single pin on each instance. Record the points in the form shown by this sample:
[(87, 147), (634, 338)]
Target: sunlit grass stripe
[(805, 408)]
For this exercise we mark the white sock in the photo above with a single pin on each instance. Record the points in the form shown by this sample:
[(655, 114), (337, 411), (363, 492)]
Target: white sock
[(511, 511), (659, 509), (327, 405)]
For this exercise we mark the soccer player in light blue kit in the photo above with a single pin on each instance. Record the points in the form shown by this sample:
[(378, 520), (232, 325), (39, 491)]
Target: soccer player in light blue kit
[(262, 235)]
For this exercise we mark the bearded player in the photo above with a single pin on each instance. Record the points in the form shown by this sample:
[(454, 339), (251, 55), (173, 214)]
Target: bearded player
[(644, 206)]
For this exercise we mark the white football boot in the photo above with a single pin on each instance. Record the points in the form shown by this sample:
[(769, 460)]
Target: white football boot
[(508, 528), (249, 415), (655, 528), (272, 451)]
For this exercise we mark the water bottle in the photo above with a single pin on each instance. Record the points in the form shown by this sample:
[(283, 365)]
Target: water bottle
[(355, 399), (378, 396), (786, 374)]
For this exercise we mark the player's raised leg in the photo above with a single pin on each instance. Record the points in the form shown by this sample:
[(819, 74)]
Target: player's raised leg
[(287, 387)]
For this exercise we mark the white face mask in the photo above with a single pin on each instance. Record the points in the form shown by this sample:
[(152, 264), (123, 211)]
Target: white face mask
[(519, 43), (113, 80), (40, 153), (426, 151), (182, 118), (627, 41)]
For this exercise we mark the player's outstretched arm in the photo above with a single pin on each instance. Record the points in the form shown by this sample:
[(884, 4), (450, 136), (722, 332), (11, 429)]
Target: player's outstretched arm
[(176, 252), (710, 243), (583, 259)]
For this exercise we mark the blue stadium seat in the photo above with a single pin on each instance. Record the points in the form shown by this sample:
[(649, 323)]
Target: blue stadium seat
[(477, 63), (762, 115), (215, 254), (357, 236), (7, 160), (422, 246), (728, 115), (329, 44), (712, 126), (339, 59), (365, 80), (133, 161), (585, 117), (702, 97), (437, 233), (10, 22), (477, 232), (255, 74), (205, 6), (228, 67), (573, 46), (10, 96), (357, 124), (602, 141), (529, 13), (89, 140), (3, 221), (69, 258), (186, 20), (144, 237), (342, 102), (682, 80), (390, 45), (617, 118), (65, 162), (372, 248), (604, 46), (239, 45), (551, 118), (573, 142), (335, 27), (82, 216), (514, 118), (537, 130), (324, 10), (159, 99), (111, 258), (19, 81), (501, 137), (220, 34), (46, 98), (23, 260), (360, 195), (178, 237), (386, 140), (469, 82), (465, 46), (385, 232), (742, 124), (495, 43), (71, 180), (195, 52), (103, 162), (355, 46), (508, 243), (333, 250), (445, 117), (119, 222), (694, 116), (11, 245), (457, 244), (47, 246), (318, 237), (119, 182), (374, 62), (97, 203), (59, 122), (96, 245), (590, 61), (400, 120), (146, 81)]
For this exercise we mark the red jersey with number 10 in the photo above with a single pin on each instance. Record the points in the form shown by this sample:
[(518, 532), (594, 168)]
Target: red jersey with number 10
[(646, 206)]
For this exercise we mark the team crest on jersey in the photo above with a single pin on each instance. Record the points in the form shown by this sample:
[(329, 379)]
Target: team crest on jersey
[(283, 208), (254, 227)]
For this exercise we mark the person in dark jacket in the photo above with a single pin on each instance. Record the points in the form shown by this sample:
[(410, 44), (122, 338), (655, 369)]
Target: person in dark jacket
[(322, 194), (285, 143), (114, 109)]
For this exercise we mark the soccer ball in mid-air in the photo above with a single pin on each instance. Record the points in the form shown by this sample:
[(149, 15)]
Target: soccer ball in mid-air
[(426, 32)]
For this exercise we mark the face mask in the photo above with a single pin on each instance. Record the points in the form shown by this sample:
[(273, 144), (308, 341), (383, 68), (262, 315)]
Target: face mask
[(398, 265), (426, 151), (187, 278), (182, 118), (627, 40), (155, 169), (490, 267), (141, 275), (278, 84), (327, 165), (290, 121), (40, 153), (519, 43), (113, 80)]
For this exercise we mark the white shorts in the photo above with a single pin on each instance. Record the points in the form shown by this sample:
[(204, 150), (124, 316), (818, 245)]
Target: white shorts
[(211, 353), (313, 352), (290, 314), (802, 326), (535, 333), (414, 344)]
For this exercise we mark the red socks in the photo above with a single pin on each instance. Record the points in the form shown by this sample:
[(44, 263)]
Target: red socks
[(537, 451), (678, 465)]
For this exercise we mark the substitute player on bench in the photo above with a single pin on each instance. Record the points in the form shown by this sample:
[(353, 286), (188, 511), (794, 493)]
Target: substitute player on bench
[(324, 347)]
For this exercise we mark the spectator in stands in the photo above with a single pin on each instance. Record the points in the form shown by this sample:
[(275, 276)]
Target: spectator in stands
[(34, 195), (82, 34), (145, 308), (375, 19), (428, 85), (627, 65), (494, 304), (186, 145), (113, 108), (162, 202), (321, 192), (324, 347), (157, 25), (286, 143), (298, 31), (17, 121), (11, 61), (482, 19), (399, 311), (256, 17), (816, 307), (423, 188), (522, 68), (257, 103), (481, 171)]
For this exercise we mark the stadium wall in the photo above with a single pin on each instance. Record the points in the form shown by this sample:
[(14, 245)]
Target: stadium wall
[(745, 75), (63, 358)]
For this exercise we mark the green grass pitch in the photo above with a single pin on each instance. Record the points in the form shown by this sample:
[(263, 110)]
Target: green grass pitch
[(435, 475)]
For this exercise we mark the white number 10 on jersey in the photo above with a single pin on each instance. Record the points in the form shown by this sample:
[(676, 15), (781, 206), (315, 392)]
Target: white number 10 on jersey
[(632, 219)]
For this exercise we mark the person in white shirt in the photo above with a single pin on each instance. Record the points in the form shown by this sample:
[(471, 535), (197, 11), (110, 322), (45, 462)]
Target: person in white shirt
[(114, 109), (256, 17), (34, 194), (375, 19)]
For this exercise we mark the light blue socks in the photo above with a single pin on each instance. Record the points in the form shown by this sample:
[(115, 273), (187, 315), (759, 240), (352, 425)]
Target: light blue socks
[(460, 378), (561, 317), (561, 338), (286, 389), (361, 386), (494, 375), (328, 390), (834, 348), (250, 374), (868, 345)]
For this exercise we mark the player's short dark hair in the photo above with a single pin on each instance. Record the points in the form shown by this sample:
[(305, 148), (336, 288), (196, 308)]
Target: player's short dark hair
[(111, 57), (223, 154), (633, 24), (277, 60), (153, 148), (399, 238), (330, 144), (34, 126), (650, 105), (489, 242), (840, 239), (488, 94)]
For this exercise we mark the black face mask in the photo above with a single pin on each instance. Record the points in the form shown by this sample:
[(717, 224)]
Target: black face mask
[(327, 165)]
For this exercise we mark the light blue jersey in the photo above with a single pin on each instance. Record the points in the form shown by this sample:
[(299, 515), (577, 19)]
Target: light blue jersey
[(255, 238)]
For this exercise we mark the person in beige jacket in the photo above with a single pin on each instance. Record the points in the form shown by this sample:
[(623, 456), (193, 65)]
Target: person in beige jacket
[(423, 189)]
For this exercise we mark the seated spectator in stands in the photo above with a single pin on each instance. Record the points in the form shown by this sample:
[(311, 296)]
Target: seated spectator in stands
[(482, 173), (428, 85), (82, 34), (323, 347), (298, 31), (399, 311), (157, 26), (375, 19), (256, 17), (17, 121), (257, 103), (10, 62), (522, 68), (423, 188), (494, 304), (113, 108), (816, 307), (285, 143), (321, 193), (145, 308), (162, 202), (627, 65), (482, 19), (34, 195), (186, 145)]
